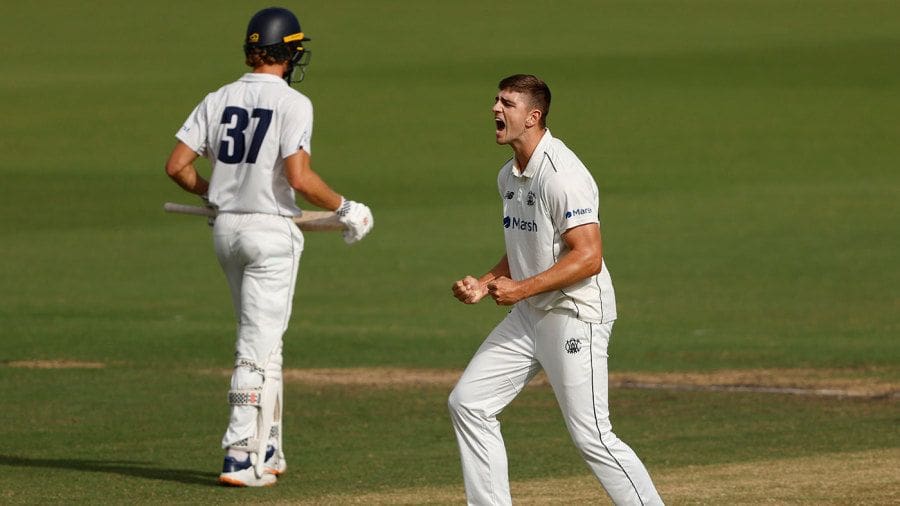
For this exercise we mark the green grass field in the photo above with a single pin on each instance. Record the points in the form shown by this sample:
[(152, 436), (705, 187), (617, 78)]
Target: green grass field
[(746, 153)]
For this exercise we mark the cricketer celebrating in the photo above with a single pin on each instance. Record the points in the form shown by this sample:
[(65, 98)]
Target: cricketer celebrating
[(256, 133), (554, 276)]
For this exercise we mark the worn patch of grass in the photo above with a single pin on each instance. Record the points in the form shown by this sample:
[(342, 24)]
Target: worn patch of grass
[(122, 432)]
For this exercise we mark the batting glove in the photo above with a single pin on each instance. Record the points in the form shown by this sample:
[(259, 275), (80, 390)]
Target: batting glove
[(357, 218)]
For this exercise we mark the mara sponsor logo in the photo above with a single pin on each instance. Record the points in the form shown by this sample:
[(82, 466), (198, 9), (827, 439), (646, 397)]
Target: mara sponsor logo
[(519, 224), (578, 212)]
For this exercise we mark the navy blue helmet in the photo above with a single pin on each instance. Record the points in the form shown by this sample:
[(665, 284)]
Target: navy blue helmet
[(277, 31)]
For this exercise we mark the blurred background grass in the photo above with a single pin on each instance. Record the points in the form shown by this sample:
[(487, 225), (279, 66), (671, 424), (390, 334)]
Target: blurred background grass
[(746, 153)]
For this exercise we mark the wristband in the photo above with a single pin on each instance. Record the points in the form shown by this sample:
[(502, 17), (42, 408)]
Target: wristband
[(344, 208)]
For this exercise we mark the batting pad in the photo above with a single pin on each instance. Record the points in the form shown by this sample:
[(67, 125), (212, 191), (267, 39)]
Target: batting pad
[(250, 397)]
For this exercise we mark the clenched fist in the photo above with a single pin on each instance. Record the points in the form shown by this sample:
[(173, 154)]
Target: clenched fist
[(504, 291), (468, 290)]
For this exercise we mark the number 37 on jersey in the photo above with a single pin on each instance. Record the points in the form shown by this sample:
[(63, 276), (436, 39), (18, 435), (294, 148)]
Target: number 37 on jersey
[(233, 147)]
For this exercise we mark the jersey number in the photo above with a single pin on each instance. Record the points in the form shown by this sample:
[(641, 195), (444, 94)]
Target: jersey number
[(238, 120)]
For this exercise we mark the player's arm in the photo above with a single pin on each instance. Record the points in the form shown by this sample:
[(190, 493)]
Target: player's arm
[(470, 290), (355, 216), (301, 177), (583, 260), (180, 167)]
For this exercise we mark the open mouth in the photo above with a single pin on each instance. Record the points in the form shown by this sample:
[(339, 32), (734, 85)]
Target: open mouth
[(500, 124)]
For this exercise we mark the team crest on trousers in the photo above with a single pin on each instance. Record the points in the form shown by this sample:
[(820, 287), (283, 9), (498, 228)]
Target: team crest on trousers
[(573, 346)]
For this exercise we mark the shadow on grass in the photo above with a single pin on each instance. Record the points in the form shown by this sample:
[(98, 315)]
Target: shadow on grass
[(123, 467)]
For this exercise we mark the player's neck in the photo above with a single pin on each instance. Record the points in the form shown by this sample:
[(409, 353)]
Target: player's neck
[(276, 69), (524, 147)]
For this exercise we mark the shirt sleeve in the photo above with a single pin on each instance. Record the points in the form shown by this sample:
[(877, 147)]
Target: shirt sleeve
[(296, 131), (193, 131), (571, 200)]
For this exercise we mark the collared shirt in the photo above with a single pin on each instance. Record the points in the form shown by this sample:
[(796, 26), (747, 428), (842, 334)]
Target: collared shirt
[(246, 129), (555, 192)]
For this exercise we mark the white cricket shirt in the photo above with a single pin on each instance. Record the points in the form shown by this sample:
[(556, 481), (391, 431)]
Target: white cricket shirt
[(554, 193), (246, 129)]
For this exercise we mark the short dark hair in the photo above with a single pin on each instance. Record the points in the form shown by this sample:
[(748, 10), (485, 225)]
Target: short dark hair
[(532, 86)]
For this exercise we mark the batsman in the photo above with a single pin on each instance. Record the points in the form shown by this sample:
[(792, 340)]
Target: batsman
[(562, 309), (257, 132)]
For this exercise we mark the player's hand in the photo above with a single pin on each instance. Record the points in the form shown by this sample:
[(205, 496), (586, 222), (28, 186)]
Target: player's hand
[(504, 291), (468, 290), (357, 218)]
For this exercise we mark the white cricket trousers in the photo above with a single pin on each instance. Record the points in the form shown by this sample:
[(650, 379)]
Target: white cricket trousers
[(573, 354), (260, 255)]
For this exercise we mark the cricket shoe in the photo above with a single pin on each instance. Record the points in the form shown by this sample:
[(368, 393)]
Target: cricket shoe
[(240, 473), (275, 461)]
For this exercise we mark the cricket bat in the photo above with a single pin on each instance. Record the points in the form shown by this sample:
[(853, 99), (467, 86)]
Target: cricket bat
[(309, 221)]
